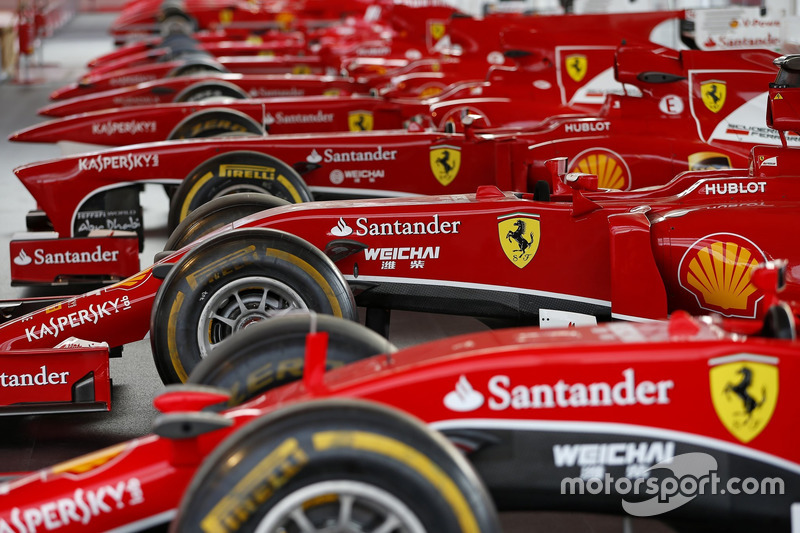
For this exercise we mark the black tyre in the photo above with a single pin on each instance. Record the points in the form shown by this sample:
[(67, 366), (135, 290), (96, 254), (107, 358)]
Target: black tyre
[(204, 90), (336, 465), (217, 213), (233, 280), (174, 21), (213, 122), (235, 172), (272, 353), (196, 65)]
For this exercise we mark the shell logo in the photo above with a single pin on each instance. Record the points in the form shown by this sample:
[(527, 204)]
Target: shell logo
[(611, 170), (717, 271)]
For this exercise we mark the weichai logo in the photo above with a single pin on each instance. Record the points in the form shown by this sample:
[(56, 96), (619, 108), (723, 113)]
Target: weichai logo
[(717, 271), (610, 168)]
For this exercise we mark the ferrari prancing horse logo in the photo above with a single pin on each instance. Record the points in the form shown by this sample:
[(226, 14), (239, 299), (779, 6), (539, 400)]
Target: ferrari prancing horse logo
[(713, 93), (519, 236), (445, 163), (576, 66), (360, 120), (744, 391)]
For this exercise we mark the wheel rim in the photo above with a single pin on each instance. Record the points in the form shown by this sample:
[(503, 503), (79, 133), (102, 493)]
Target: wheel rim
[(340, 506), (242, 303), (176, 24)]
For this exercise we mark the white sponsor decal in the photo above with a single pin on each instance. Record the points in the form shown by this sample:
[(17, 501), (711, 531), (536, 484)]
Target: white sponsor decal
[(333, 156), (338, 176), (464, 398), (504, 395), (365, 227), (495, 58), (586, 127), (771, 162), (78, 508), (671, 105), (41, 378), (298, 118), (23, 259), (612, 454), (314, 157), (101, 163), (131, 127), (736, 188), (260, 92), (593, 459), (134, 100), (92, 315), (130, 80), (405, 252), (374, 51), (65, 258)]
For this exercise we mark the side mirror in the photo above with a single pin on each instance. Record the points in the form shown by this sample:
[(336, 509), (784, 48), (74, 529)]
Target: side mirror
[(770, 277), (579, 181)]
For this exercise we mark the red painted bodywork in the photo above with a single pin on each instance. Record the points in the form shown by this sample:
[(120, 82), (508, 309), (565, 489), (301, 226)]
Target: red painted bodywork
[(509, 159), (44, 381), (666, 364)]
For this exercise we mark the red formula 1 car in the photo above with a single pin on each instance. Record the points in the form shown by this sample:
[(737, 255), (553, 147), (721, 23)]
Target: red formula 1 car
[(691, 244), (617, 418), (546, 79), (472, 39), (188, 16), (91, 192)]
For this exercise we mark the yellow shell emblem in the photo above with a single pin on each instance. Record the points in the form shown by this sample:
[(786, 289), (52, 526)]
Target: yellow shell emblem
[(744, 391), (576, 65), (445, 162), (301, 69), (519, 237), (713, 93), (717, 271), (609, 167), (430, 92), (360, 121)]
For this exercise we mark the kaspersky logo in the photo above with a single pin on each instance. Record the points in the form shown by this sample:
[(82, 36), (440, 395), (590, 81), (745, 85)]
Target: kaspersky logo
[(611, 170), (717, 270)]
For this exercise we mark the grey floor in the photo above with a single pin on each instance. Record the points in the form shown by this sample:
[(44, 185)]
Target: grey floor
[(28, 443)]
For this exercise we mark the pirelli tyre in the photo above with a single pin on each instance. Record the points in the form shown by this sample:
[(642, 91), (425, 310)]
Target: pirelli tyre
[(336, 465), (213, 122), (210, 90), (197, 65), (174, 21), (233, 280), (272, 353), (235, 172), (217, 213)]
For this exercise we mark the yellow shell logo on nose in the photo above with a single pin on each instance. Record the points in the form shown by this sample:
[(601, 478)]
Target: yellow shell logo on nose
[(717, 272), (609, 167)]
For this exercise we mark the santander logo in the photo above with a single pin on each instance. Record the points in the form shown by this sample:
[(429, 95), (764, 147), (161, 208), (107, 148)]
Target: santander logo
[(341, 229), (22, 259), (464, 398)]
